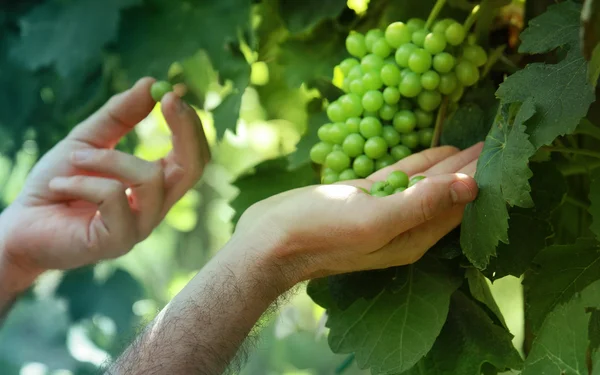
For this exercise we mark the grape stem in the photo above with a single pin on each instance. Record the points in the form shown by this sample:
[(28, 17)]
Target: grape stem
[(578, 151), (439, 123), (571, 169), (577, 202), (472, 18), (345, 365), (434, 13)]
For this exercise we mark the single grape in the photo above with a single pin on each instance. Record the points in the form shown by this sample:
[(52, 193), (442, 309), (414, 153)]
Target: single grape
[(352, 124), (357, 87), (351, 104), (160, 89), (475, 54), (330, 178), (400, 152), (455, 34), (424, 118), (335, 112), (410, 140), (415, 24), (338, 132), (434, 43), (363, 166), (397, 179), (467, 73), (430, 80), (405, 121), (404, 72), (371, 62), (443, 62), (418, 37), (319, 152), (380, 194), (391, 136), (397, 34), (390, 75), (391, 95), (371, 37), (420, 61), (337, 160), (448, 83), (388, 111), (403, 53), (425, 137), (356, 72), (375, 147), (348, 64), (353, 145), (389, 189), (370, 127), (457, 94), (414, 180), (372, 100), (372, 81), (399, 190), (346, 84), (378, 186), (356, 45), (410, 86), (324, 133), (348, 174), (384, 161), (405, 104), (381, 48), (442, 25), (429, 100)]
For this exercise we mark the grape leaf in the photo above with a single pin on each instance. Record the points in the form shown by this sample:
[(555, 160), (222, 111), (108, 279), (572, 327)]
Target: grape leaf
[(68, 34), (347, 288), (318, 290), (394, 330), (562, 271), (548, 189), (468, 341), (480, 290), (309, 139), (595, 202), (561, 92), (300, 16), (502, 175), (594, 329), (468, 125)]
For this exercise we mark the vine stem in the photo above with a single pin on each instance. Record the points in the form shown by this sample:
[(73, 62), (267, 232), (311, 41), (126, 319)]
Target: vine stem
[(439, 123), (434, 13), (579, 151), (571, 169), (472, 18), (577, 202)]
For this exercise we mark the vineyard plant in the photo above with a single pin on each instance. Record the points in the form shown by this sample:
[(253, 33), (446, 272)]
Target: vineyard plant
[(351, 87)]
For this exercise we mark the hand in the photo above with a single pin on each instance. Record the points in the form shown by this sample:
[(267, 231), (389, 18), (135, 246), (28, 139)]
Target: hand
[(84, 201), (323, 230)]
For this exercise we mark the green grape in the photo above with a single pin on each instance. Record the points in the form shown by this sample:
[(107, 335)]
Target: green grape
[(448, 83), (371, 62), (457, 94), (388, 111), (356, 45), (405, 121), (330, 178), (410, 86), (390, 75), (442, 25), (375, 147), (380, 194), (351, 104), (356, 72), (326, 170), (348, 64), (410, 140), (337, 160), (467, 73), (346, 84), (370, 127), (443, 62), (389, 189), (400, 152), (430, 80), (335, 112), (403, 53), (424, 118), (357, 87), (434, 43), (397, 34), (338, 132), (381, 48), (418, 37), (353, 145), (399, 190), (347, 175), (363, 166), (391, 136), (397, 179), (371, 37), (475, 54), (415, 24), (372, 100), (405, 104), (420, 61), (414, 180), (319, 152), (372, 81), (391, 95), (352, 124), (425, 137), (160, 89), (384, 161), (455, 34), (324, 133), (404, 72), (429, 100), (378, 186)]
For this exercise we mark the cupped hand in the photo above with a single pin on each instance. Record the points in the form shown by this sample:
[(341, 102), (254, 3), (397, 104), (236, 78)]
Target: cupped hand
[(323, 230), (84, 201)]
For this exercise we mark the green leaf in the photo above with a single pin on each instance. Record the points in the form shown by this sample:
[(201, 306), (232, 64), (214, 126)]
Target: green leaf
[(480, 290), (548, 189), (466, 126), (68, 34), (595, 202), (561, 92), (594, 73), (318, 290), (562, 271), (469, 341), (594, 329), (347, 288), (309, 139), (300, 16), (393, 331), (502, 175)]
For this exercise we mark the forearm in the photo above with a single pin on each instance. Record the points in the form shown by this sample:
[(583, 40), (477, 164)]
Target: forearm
[(202, 329)]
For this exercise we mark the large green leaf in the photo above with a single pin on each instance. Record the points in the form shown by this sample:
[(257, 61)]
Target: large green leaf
[(595, 202), (480, 290), (300, 16), (502, 175), (560, 92), (393, 331)]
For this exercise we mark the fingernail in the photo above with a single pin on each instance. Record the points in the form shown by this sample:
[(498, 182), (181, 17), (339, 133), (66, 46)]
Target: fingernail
[(460, 192), (81, 155)]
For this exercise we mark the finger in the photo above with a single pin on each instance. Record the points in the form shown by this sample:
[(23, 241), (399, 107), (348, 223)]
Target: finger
[(456, 162), (117, 117), (469, 169), (416, 163)]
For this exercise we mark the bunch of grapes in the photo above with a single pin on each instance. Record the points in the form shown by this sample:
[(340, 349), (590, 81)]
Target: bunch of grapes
[(394, 84)]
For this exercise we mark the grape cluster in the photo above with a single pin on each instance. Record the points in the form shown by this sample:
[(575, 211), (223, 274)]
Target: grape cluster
[(393, 85), (396, 182)]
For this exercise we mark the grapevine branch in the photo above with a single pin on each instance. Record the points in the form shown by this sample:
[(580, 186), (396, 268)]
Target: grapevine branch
[(579, 151), (434, 13), (472, 18)]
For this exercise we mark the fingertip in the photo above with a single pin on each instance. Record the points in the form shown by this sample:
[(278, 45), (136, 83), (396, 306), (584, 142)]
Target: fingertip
[(464, 189)]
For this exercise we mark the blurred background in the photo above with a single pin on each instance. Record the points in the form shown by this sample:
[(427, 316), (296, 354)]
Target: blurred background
[(259, 74)]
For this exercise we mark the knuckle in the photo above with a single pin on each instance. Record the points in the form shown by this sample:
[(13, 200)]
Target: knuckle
[(428, 206)]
